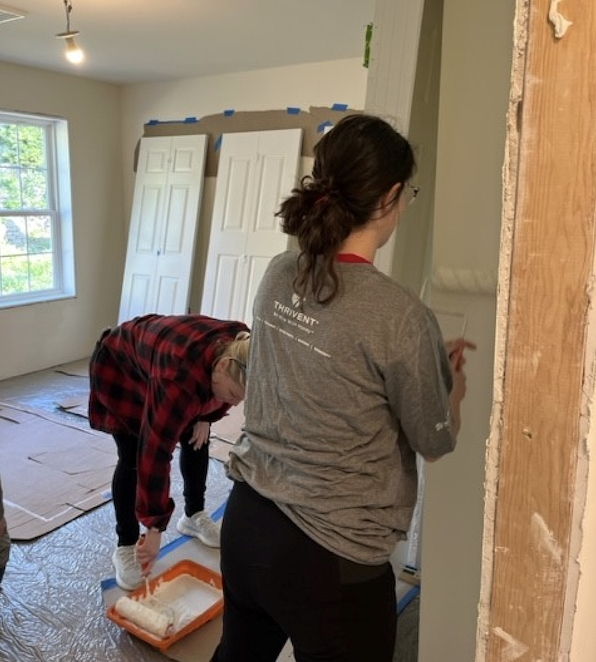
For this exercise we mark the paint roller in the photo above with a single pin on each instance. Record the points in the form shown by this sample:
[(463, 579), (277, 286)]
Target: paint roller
[(151, 617)]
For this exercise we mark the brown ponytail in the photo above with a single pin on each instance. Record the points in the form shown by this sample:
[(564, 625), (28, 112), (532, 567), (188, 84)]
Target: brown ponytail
[(356, 163)]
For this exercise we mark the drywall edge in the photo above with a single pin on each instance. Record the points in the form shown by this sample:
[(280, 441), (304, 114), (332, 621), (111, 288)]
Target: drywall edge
[(510, 174)]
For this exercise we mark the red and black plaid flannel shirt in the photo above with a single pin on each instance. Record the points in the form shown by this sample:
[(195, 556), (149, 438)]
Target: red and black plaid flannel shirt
[(151, 378)]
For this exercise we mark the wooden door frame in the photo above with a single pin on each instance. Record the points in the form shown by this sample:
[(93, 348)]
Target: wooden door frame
[(537, 453)]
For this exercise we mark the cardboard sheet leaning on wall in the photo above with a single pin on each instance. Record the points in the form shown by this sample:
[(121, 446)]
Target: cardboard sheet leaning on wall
[(312, 122)]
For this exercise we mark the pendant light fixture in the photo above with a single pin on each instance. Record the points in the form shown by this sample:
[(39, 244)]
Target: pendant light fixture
[(73, 52)]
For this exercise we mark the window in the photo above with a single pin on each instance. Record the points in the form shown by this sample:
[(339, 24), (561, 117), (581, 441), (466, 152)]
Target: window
[(36, 245)]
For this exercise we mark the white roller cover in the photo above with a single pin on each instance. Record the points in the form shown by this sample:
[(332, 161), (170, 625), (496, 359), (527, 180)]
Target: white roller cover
[(155, 622)]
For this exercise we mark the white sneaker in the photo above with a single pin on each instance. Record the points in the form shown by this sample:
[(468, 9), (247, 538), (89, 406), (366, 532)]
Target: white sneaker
[(201, 526), (128, 569)]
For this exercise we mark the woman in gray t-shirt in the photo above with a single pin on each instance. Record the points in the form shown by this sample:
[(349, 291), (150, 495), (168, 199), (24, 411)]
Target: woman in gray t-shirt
[(348, 379)]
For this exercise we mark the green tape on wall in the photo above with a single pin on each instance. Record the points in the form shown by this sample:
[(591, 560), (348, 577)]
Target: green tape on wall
[(367, 40)]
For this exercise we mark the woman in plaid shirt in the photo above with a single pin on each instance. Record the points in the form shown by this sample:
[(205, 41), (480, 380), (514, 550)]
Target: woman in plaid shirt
[(156, 381)]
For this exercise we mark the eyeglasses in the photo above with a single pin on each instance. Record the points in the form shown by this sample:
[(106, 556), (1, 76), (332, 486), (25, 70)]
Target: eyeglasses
[(413, 192), (238, 362)]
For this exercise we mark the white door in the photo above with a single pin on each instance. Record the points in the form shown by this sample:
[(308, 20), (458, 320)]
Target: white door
[(256, 171), (161, 241)]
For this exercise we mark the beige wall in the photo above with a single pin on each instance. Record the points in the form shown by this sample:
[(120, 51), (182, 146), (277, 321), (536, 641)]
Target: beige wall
[(319, 84), (477, 42), (45, 334), (450, 240), (474, 95), (105, 123), (300, 86)]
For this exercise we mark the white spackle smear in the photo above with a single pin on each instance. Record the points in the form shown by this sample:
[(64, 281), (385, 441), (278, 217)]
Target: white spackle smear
[(186, 597), (560, 23), (546, 539), (514, 649)]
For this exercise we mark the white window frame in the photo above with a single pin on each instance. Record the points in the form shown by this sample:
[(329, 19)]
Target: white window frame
[(60, 210)]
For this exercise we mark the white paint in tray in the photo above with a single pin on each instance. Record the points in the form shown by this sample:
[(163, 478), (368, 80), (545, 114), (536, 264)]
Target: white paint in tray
[(185, 597)]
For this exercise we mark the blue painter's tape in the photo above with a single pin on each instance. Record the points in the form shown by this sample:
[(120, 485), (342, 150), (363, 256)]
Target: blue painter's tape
[(217, 143), (172, 546), (107, 584), (408, 597), (185, 121), (218, 514), (322, 126), (339, 106), (229, 112), (293, 111)]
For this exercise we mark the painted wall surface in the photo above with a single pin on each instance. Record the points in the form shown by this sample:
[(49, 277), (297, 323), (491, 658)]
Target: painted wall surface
[(300, 86), (474, 92), (105, 122), (45, 334)]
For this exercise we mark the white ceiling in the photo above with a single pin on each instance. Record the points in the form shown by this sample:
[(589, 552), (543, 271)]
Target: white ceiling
[(135, 41)]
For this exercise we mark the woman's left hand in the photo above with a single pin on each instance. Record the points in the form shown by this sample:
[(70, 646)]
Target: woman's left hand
[(200, 434), (455, 350)]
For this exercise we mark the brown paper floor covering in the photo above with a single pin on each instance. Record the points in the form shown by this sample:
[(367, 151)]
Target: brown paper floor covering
[(51, 605)]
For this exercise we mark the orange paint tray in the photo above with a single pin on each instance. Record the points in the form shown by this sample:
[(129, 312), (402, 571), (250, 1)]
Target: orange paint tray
[(196, 576)]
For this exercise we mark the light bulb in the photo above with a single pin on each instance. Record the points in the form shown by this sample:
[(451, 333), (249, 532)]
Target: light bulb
[(73, 53)]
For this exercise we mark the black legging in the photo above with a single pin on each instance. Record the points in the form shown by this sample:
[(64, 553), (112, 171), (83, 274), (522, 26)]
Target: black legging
[(279, 583), (193, 467)]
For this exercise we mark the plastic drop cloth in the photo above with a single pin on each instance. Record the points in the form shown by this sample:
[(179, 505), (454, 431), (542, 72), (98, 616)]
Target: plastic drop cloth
[(51, 607)]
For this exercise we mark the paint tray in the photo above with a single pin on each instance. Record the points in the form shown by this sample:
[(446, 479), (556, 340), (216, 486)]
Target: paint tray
[(188, 588)]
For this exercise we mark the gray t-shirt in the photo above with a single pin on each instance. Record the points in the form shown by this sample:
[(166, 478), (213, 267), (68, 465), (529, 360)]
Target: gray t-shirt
[(340, 397)]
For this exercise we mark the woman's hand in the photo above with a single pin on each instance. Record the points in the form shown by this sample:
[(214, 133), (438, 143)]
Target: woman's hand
[(147, 550), (455, 350), (200, 434)]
